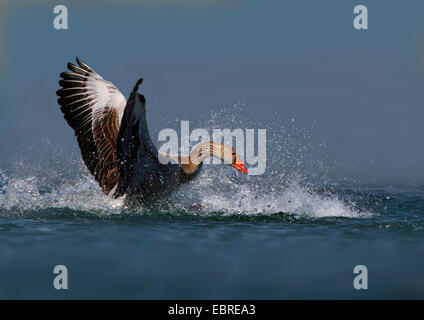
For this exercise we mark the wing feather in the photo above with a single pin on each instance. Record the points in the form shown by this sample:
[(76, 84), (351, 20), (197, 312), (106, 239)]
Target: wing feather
[(93, 107)]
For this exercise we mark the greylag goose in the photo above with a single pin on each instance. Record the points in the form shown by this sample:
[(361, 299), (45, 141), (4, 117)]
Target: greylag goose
[(114, 139)]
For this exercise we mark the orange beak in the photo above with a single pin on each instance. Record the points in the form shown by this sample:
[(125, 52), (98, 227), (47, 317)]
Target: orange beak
[(240, 166)]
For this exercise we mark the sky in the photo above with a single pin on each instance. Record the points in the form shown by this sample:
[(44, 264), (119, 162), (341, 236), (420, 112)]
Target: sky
[(359, 93)]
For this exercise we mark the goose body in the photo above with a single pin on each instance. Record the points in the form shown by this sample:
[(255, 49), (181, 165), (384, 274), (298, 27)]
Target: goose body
[(114, 139)]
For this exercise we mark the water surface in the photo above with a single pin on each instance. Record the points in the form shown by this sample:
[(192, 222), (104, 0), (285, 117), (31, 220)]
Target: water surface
[(218, 238)]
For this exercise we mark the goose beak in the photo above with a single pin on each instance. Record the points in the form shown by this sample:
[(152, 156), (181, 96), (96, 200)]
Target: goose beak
[(240, 166)]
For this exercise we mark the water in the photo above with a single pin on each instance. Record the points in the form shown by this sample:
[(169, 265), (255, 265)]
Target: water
[(248, 240), (291, 233)]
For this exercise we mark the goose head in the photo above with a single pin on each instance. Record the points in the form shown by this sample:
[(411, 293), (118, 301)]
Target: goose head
[(221, 151)]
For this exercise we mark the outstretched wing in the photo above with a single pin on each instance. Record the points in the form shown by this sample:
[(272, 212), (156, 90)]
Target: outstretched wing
[(93, 107)]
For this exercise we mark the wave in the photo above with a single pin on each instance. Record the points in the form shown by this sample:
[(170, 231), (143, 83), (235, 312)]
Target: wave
[(218, 190)]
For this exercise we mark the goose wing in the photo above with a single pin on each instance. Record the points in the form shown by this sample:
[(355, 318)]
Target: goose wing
[(138, 157), (93, 107)]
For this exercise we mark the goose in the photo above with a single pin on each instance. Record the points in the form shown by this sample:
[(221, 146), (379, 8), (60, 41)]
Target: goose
[(114, 139)]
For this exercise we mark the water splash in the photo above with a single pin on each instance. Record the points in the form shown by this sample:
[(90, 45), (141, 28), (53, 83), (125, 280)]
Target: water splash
[(51, 176), (26, 194), (219, 190)]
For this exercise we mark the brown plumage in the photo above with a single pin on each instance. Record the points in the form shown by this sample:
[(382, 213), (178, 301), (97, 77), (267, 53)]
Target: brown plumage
[(93, 107)]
